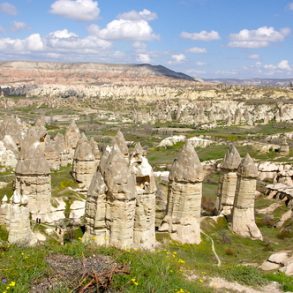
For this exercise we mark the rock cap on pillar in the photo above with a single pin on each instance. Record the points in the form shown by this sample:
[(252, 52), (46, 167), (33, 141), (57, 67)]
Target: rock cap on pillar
[(118, 176), (248, 168), (232, 159), (187, 167), (120, 141), (83, 151), (32, 161)]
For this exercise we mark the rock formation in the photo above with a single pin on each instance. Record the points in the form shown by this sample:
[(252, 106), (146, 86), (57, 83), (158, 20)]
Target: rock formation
[(95, 150), (228, 181), (64, 153), (19, 228), (120, 141), (4, 210), (8, 152), (110, 208), (33, 179), (284, 147), (243, 219), (145, 211), (52, 155), (13, 126), (84, 163), (184, 198), (121, 199), (72, 136)]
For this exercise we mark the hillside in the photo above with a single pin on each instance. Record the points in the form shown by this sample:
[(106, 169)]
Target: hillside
[(87, 73)]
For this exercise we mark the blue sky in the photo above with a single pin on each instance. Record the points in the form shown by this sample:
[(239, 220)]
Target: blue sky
[(203, 38)]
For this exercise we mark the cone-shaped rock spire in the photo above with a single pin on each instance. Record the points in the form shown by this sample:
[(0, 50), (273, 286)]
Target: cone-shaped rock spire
[(184, 198), (232, 159), (187, 167), (243, 219)]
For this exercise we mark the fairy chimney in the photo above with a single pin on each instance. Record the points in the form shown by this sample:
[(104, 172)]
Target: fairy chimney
[(145, 211), (52, 155), (184, 199), (121, 199), (95, 150), (110, 208), (33, 179), (72, 136), (19, 229), (64, 153), (243, 220), (120, 141), (84, 164), (228, 181)]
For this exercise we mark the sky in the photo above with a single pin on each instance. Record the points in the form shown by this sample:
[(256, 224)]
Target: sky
[(202, 38)]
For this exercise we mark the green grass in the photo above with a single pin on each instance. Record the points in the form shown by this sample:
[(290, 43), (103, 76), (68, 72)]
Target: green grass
[(61, 180), (162, 270), (7, 190)]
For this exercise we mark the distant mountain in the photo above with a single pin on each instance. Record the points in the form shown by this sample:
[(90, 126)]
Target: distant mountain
[(283, 82), (88, 73), (164, 71)]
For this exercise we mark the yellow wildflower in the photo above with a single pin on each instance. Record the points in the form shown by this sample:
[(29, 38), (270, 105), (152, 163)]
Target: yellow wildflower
[(12, 284), (134, 282), (181, 261)]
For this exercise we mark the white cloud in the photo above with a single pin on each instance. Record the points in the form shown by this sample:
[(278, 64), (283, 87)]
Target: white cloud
[(58, 42), (133, 26), (138, 15), (290, 6), (254, 56), (258, 38), (93, 29), (63, 34), (19, 25), (201, 36), (32, 43), (177, 58), (84, 10), (8, 8), (65, 40), (124, 29), (143, 58), (197, 50), (284, 65)]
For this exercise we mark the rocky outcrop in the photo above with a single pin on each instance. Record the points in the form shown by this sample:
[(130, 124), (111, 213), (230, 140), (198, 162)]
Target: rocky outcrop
[(120, 141), (33, 179), (284, 147), (13, 126), (8, 152), (95, 150), (4, 209), (184, 198), (63, 151), (84, 163), (19, 229), (282, 261), (228, 181), (110, 208), (72, 136), (280, 192), (145, 210), (52, 155), (243, 219)]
